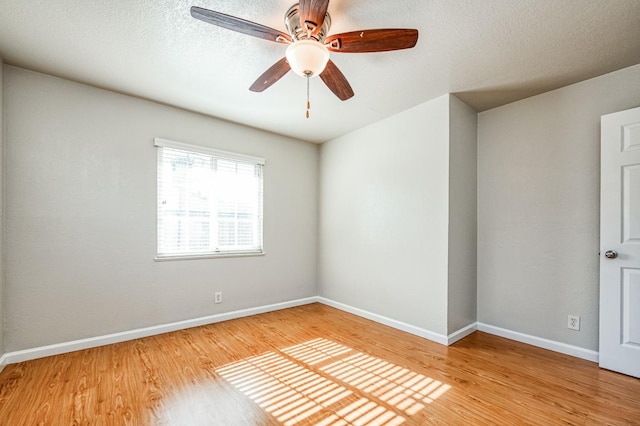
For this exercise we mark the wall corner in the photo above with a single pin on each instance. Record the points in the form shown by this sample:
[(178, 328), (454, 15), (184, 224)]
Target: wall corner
[(462, 249)]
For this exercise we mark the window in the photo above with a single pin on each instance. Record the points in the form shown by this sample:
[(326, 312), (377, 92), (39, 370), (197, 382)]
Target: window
[(209, 202)]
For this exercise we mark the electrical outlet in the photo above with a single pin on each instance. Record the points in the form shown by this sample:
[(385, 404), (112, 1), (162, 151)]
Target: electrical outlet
[(217, 297), (573, 322)]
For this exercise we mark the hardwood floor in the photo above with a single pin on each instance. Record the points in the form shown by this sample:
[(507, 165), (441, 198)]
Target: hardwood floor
[(313, 365)]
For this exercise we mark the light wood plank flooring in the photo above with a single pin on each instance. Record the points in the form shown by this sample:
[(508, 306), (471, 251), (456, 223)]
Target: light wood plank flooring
[(314, 365)]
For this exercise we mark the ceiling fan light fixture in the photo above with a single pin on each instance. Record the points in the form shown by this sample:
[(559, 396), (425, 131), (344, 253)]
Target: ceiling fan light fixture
[(307, 58), (308, 23)]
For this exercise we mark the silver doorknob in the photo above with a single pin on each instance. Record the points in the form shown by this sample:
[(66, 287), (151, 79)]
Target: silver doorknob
[(610, 254)]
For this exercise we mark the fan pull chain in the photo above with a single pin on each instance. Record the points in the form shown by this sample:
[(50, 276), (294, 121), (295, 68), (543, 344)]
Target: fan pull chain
[(308, 103)]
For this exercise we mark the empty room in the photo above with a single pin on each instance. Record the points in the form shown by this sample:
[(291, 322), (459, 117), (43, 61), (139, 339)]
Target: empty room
[(443, 228)]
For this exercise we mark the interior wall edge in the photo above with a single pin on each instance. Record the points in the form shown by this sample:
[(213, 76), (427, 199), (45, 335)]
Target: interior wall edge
[(461, 333), (2, 215)]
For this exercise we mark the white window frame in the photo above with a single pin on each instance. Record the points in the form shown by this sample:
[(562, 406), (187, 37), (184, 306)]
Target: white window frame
[(216, 154)]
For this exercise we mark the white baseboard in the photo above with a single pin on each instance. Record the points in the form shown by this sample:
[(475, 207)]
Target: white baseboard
[(399, 325), (552, 345), (3, 362), (75, 345), (92, 342), (462, 333), (540, 342)]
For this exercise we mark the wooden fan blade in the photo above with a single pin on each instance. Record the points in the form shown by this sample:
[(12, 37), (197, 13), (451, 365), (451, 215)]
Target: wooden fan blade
[(270, 76), (239, 25), (336, 81), (373, 40), (313, 13)]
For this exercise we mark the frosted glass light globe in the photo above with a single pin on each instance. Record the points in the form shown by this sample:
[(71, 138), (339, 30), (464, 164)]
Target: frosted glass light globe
[(307, 58)]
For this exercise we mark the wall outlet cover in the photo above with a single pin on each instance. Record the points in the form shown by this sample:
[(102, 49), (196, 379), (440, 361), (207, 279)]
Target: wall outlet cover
[(573, 322)]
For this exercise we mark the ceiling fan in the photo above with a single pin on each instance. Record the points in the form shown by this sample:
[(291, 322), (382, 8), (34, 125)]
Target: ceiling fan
[(307, 55)]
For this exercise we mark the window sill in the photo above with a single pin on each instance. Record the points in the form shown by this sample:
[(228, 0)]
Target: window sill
[(206, 256)]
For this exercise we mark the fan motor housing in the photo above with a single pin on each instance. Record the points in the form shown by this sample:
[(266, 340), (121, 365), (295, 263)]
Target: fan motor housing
[(298, 31)]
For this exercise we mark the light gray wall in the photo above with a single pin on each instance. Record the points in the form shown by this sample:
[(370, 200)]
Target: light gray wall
[(80, 215), (462, 289), (80, 189), (1, 207), (538, 208), (383, 217)]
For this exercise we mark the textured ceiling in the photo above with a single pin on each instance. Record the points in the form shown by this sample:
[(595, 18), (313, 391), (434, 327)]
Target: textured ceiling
[(488, 52)]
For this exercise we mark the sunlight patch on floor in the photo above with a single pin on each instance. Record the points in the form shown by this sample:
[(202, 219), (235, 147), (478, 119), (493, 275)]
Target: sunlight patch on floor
[(326, 383)]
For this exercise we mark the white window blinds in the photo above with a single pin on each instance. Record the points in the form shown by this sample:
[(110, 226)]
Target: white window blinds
[(209, 201)]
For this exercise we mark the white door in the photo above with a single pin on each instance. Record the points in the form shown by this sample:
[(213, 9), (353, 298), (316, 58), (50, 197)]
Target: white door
[(620, 242)]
